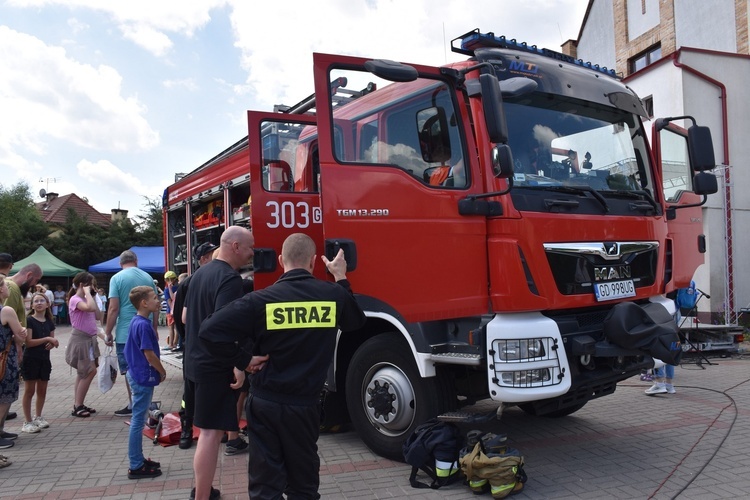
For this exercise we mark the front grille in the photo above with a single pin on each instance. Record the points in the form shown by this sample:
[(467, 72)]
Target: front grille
[(574, 272)]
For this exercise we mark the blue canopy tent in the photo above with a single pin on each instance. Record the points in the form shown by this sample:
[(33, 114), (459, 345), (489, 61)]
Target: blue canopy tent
[(150, 259)]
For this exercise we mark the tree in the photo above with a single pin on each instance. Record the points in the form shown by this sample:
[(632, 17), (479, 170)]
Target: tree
[(79, 243), (22, 229), (150, 224)]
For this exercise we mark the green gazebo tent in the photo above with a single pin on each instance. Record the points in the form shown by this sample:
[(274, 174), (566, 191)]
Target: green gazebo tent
[(51, 265)]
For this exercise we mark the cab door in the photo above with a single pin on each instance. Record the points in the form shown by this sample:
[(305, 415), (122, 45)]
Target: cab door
[(390, 191), (283, 188), (684, 225)]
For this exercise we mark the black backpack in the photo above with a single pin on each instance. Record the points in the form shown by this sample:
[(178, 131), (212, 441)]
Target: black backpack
[(433, 448)]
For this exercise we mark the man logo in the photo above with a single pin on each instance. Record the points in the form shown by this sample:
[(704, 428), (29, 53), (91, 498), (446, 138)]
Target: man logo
[(609, 273), (612, 248)]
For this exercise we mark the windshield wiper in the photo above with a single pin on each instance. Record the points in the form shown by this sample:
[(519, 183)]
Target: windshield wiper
[(639, 194), (578, 190)]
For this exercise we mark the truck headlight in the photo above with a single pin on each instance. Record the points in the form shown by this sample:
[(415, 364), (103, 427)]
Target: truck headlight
[(518, 349), (525, 377)]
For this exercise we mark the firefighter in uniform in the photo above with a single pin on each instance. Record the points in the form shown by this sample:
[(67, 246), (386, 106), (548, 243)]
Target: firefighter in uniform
[(285, 336)]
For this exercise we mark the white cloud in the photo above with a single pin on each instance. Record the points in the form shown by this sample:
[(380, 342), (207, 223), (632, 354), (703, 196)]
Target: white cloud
[(46, 95), (277, 46), (77, 26), (147, 37), (147, 23), (186, 83), (111, 182)]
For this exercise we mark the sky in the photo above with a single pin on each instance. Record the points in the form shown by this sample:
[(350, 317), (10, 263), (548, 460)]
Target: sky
[(110, 99)]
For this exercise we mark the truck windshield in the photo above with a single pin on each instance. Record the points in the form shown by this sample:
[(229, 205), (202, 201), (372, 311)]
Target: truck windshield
[(558, 141)]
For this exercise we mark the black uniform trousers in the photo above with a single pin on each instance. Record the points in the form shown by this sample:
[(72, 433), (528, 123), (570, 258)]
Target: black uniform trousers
[(283, 450)]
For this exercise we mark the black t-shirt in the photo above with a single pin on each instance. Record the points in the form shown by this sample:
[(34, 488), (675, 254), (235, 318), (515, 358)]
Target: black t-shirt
[(179, 304), (211, 287), (39, 330)]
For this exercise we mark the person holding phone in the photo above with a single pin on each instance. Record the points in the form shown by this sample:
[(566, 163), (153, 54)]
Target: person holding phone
[(83, 350)]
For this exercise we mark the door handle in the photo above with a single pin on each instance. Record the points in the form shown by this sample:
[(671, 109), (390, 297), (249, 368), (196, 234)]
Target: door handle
[(350, 251), (264, 260)]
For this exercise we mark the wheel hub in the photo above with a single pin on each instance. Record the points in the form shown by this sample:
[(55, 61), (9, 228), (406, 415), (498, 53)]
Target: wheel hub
[(389, 399)]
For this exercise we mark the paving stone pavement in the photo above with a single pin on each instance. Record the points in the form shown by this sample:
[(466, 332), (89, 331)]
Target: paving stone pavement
[(690, 445)]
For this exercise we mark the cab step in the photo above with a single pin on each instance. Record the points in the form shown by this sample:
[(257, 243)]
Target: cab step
[(465, 417), (457, 358)]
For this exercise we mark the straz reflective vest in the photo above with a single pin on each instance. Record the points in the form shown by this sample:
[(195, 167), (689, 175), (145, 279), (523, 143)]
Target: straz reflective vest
[(295, 321)]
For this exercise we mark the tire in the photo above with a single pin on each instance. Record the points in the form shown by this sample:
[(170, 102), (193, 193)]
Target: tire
[(530, 409), (386, 396)]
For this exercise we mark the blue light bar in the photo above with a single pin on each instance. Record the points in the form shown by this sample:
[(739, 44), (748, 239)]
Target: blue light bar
[(475, 40)]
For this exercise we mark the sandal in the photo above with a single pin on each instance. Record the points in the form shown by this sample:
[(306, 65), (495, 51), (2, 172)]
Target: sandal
[(80, 411), (89, 409)]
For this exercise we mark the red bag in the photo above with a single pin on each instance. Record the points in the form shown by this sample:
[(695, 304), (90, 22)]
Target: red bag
[(167, 431)]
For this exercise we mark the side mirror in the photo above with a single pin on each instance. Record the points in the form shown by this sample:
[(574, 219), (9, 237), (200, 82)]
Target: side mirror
[(701, 148), (502, 161), (492, 103), (392, 70), (705, 183)]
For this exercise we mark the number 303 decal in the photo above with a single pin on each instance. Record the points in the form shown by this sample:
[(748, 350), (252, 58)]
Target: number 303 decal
[(289, 214)]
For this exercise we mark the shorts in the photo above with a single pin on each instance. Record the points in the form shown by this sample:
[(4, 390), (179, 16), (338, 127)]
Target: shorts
[(36, 369), (170, 319), (216, 406), (121, 361)]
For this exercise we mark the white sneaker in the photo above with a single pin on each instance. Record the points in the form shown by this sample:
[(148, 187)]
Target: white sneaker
[(670, 388), (40, 422), (29, 428), (657, 388)]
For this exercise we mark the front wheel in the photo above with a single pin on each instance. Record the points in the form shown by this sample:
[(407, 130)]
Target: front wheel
[(386, 396)]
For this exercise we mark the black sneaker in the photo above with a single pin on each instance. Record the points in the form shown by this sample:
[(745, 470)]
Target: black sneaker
[(214, 495), (235, 447), (125, 412), (8, 435), (143, 471), (151, 464), (11, 415), (6, 443)]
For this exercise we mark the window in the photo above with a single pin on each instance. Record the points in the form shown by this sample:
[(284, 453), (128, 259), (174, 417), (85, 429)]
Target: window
[(675, 165), (648, 104), (642, 60), (410, 125), (290, 157)]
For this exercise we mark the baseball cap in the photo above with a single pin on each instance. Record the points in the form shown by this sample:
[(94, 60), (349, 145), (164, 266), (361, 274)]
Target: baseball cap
[(170, 275), (204, 248), (6, 258)]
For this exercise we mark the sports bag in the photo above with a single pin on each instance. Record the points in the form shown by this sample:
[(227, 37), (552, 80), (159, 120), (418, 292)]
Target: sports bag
[(433, 448)]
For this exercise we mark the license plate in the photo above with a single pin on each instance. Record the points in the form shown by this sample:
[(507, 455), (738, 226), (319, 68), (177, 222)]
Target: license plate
[(614, 290)]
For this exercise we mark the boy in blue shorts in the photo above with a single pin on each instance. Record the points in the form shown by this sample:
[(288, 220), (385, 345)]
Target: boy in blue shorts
[(145, 371)]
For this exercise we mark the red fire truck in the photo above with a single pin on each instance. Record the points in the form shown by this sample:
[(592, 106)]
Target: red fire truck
[(493, 213)]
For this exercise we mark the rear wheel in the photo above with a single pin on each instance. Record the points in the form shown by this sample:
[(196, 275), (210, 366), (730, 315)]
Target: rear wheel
[(386, 396)]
